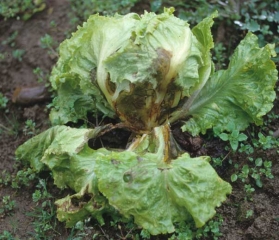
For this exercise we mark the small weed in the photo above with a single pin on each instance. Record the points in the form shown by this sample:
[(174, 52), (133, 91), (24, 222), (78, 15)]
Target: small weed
[(234, 138), (53, 24), (233, 135), (261, 18), (216, 162), (11, 39), (41, 193), (246, 148), (265, 142), (254, 169), (23, 178), (79, 231), (6, 235), (44, 220), (18, 54), (7, 205), (29, 128), (219, 56), (249, 191), (21, 9), (258, 170), (2, 56), (271, 117), (14, 126), (211, 230), (47, 42), (44, 213), (41, 75), (3, 101), (5, 178), (249, 213), (81, 10)]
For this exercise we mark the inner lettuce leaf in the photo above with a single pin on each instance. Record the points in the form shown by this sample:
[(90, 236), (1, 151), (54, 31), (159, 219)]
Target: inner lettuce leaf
[(147, 67), (198, 66)]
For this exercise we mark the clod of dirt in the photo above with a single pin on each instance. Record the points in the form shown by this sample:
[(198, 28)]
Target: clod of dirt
[(259, 229), (30, 95), (242, 212), (276, 133), (186, 141)]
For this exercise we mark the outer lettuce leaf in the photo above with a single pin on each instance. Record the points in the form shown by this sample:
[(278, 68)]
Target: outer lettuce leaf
[(56, 140), (71, 104), (142, 183), (78, 172), (157, 185), (242, 94), (65, 152), (158, 194)]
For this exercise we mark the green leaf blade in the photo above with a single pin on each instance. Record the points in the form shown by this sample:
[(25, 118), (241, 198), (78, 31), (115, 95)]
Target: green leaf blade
[(158, 194), (241, 94)]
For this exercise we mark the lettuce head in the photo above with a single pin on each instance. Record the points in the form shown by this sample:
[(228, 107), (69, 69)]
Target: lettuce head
[(147, 71)]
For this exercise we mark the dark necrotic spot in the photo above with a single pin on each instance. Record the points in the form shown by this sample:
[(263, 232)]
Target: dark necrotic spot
[(127, 177), (115, 162)]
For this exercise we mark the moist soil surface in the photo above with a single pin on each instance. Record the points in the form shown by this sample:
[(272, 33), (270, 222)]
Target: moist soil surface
[(17, 77)]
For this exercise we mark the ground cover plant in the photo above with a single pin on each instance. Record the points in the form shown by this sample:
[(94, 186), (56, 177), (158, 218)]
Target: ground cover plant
[(246, 159)]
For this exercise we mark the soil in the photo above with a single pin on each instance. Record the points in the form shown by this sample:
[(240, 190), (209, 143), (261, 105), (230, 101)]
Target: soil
[(264, 222)]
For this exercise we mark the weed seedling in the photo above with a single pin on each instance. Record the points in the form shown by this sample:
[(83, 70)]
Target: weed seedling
[(6, 235), (53, 24), (44, 213), (211, 230), (267, 142), (23, 178), (2, 56), (7, 205), (234, 138), (233, 135), (219, 55), (258, 170), (21, 9), (249, 213), (11, 39), (47, 42), (18, 54), (30, 127), (14, 126), (249, 191), (41, 75), (246, 148), (5, 178), (3, 101)]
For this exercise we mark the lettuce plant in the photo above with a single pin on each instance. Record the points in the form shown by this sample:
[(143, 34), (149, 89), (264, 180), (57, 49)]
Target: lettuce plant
[(149, 72)]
